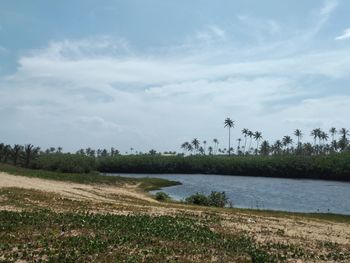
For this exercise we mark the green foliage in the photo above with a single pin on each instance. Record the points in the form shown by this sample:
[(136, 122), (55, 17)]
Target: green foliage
[(217, 199), (330, 167), (65, 163), (197, 199), (161, 196)]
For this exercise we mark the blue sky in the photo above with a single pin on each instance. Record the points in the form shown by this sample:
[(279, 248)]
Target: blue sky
[(155, 73)]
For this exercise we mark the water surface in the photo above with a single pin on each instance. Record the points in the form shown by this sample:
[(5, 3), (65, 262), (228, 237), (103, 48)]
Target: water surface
[(296, 195)]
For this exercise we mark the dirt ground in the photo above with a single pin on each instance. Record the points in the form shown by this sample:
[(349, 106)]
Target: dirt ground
[(313, 234)]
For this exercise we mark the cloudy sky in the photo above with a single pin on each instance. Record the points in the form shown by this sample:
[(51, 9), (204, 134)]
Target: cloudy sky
[(155, 73)]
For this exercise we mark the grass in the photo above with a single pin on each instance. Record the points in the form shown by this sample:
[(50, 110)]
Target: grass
[(147, 184)]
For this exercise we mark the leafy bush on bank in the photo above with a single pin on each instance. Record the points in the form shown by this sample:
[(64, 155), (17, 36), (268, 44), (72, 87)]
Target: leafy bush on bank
[(217, 199)]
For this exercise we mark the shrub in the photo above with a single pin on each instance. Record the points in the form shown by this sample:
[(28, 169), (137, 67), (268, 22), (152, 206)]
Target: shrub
[(197, 199), (161, 196), (217, 199)]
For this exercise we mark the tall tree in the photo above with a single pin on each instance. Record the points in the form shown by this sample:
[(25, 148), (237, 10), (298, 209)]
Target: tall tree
[(257, 137), (333, 132), (184, 146), (205, 146), (299, 135), (216, 145), (265, 148), (239, 140), (195, 143), (245, 132), (250, 134), (16, 153), (210, 150), (228, 123), (30, 153), (287, 140)]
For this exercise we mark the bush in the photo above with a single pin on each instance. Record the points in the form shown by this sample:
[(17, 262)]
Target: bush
[(217, 199), (197, 199), (161, 196)]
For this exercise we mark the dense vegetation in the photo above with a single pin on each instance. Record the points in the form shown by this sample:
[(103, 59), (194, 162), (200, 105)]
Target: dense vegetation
[(284, 158), (329, 167), (332, 166)]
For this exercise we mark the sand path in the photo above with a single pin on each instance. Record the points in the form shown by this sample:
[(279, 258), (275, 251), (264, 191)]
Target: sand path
[(98, 193)]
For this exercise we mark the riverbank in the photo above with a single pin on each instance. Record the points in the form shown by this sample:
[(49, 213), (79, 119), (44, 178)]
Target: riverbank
[(110, 221)]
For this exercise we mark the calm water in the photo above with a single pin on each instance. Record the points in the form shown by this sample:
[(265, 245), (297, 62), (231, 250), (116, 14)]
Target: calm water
[(264, 193)]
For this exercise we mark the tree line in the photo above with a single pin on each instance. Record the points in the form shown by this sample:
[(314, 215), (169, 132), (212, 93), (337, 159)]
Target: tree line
[(252, 143)]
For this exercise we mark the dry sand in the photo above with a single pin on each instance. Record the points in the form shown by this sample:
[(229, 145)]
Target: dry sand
[(73, 190)]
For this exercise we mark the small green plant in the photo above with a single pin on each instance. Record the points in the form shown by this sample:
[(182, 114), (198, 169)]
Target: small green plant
[(162, 197)]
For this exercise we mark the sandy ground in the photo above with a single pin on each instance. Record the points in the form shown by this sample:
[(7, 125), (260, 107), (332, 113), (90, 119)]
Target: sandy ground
[(284, 229), (72, 190)]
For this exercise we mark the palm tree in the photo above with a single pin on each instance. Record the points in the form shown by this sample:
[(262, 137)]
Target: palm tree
[(228, 123), (324, 136), (210, 150), (239, 146), (343, 142), (250, 134), (205, 146), (190, 148), (265, 148), (216, 145), (315, 133), (278, 146), (287, 140), (299, 135), (184, 146), (257, 136), (195, 144), (333, 132), (344, 132), (245, 132)]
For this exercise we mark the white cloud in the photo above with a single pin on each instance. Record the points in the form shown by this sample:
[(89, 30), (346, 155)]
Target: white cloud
[(345, 35), (99, 92)]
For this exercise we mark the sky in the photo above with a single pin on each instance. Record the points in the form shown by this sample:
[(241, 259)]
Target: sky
[(152, 74)]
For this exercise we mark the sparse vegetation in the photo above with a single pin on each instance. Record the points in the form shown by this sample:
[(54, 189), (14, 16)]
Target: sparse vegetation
[(90, 178)]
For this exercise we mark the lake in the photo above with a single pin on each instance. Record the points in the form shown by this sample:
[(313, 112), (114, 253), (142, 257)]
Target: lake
[(295, 195)]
